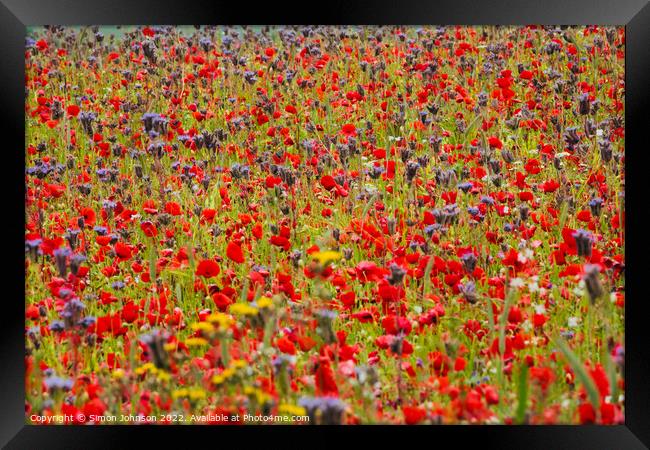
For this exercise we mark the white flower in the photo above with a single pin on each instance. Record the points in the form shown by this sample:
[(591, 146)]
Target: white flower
[(516, 283), (540, 309), (573, 322)]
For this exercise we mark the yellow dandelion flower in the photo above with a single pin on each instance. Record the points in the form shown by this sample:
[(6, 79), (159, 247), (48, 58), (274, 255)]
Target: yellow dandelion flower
[(118, 374), (196, 394), (164, 376), (170, 346), (264, 302), (248, 390), (229, 372), (242, 309), (206, 327), (238, 364), (145, 368), (195, 342), (295, 410), (179, 393), (223, 320), (218, 379), (327, 256), (262, 397)]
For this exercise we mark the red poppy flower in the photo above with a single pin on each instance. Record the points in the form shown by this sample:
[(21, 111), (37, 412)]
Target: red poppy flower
[(234, 252), (285, 346), (413, 414), (173, 208), (281, 241), (149, 229), (123, 251), (207, 268), (328, 182), (495, 142), (73, 110), (349, 130)]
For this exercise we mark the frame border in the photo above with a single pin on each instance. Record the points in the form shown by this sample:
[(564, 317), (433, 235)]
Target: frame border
[(17, 15)]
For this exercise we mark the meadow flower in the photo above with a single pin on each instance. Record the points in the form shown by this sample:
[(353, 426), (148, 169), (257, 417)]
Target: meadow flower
[(61, 259), (243, 309), (584, 241), (326, 257), (323, 410), (592, 282), (468, 289)]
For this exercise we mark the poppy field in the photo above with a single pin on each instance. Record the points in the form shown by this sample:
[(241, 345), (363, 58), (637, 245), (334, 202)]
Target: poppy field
[(325, 225)]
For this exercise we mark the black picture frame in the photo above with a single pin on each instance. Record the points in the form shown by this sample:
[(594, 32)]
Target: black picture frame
[(16, 15)]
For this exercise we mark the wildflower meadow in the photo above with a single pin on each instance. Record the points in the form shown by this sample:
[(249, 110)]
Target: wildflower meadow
[(324, 225)]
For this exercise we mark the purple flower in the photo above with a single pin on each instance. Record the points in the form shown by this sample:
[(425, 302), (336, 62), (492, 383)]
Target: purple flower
[(584, 242), (61, 260), (591, 278)]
